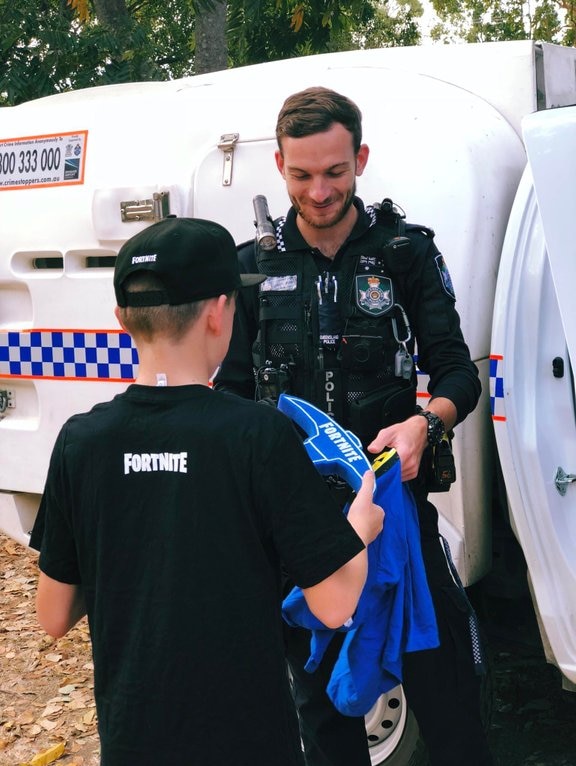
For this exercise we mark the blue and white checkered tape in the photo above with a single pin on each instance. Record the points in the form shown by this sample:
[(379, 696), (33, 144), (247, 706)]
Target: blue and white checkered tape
[(497, 387), (103, 355)]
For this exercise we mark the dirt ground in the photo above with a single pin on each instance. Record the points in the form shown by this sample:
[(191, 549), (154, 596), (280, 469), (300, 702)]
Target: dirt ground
[(46, 690), (47, 704)]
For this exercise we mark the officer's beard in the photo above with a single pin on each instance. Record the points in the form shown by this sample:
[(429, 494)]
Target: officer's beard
[(328, 222)]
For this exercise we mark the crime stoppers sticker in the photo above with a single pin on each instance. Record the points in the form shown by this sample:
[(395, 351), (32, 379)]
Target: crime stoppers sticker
[(52, 160)]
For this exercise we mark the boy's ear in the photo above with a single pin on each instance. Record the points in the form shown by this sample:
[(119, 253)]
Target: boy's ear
[(215, 316), (118, 317)]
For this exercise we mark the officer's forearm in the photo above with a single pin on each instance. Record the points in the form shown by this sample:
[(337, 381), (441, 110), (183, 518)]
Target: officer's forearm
[(445, 410)]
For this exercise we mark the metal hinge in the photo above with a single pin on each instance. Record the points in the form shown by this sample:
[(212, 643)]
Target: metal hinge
[(227, 143), (562, 479), (154, 209), (7, 402)]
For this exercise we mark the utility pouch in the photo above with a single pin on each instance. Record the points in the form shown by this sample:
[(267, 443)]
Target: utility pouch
[(439, 466), (389, 404)]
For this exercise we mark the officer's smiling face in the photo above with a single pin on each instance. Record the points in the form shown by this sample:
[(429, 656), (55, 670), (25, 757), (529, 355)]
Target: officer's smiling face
[(320, 173)]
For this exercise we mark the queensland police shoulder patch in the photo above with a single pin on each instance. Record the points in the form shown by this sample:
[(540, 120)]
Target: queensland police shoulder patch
[(374, 294), (445, 277)]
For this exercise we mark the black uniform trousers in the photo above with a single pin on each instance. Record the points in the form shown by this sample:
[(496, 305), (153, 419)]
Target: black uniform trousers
[(441, 685)]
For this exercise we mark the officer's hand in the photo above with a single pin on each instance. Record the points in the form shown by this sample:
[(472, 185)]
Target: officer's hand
[(408, 439), (366, 517)]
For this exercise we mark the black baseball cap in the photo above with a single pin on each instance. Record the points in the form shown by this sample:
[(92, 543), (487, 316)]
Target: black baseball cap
[(194, 259)]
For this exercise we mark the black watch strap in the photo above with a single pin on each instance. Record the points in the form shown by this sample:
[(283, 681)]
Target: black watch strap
[(436, 427)]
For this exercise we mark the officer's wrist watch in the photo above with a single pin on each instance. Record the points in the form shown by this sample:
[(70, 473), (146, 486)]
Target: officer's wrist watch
[(436, 427)]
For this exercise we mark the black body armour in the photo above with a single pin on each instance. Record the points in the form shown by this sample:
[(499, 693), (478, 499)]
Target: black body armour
[(341, 338)]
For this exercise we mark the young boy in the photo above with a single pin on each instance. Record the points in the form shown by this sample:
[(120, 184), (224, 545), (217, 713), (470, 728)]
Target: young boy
[(167, 515)]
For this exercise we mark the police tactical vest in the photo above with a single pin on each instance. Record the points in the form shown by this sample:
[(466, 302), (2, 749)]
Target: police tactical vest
[(340, 339)]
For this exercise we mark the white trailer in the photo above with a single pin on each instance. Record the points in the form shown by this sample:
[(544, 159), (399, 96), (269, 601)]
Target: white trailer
[(468, 139)]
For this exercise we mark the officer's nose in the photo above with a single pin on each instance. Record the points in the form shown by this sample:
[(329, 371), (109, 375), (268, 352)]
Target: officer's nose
[(318, 190)]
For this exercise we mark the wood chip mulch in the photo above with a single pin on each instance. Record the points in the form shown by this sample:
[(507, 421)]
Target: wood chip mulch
[(47, 710)]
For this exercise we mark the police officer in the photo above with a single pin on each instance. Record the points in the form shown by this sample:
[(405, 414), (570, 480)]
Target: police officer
[(350, 288)]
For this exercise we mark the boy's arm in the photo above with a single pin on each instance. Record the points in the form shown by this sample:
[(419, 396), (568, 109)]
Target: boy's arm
[(333, 600), (59, 605)]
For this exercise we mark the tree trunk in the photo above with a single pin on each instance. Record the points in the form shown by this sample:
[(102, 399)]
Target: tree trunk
[(112, 13), (211, 48)]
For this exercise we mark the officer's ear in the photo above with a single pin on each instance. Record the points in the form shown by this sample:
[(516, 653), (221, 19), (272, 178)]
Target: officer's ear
[(279, 161), (362, 158)]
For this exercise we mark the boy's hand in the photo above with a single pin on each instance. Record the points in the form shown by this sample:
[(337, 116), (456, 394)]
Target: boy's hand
[(366, 517)]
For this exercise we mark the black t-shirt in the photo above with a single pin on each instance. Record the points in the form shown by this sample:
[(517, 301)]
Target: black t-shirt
[(175, 509)]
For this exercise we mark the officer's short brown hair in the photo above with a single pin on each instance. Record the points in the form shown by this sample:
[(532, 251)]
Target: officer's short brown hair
[(315, 110)]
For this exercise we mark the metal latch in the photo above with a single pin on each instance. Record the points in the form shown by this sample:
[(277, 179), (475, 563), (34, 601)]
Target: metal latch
[(227, 143), (562, 479), (154, 209), (7, 402)]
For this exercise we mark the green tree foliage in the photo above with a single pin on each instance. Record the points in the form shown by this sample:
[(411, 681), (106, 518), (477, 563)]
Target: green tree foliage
[(393, 24), (49, 46), (318, 27), (489, 20)]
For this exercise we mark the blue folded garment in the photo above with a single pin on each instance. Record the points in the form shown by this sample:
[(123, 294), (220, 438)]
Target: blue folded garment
[(395, 613)]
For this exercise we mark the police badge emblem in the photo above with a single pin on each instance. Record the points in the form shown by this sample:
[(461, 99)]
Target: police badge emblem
[(445, 276), (374, 294)]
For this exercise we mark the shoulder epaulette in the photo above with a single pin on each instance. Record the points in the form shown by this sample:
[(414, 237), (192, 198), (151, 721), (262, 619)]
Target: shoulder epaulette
[(425, 230)]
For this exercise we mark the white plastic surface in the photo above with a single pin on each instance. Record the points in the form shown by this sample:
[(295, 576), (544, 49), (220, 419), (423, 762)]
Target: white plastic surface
[(533, 321)]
